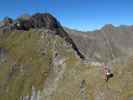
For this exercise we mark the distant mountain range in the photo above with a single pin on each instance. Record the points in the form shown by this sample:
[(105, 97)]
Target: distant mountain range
[(105, 44), (42, 60)]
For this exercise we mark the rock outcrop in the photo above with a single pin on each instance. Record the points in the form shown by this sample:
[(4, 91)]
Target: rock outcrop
[(37, 21)]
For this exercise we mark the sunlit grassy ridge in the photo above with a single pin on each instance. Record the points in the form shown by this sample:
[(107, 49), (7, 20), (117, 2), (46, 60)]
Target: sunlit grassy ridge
[(22, 49), (31, 66), (29, 60)]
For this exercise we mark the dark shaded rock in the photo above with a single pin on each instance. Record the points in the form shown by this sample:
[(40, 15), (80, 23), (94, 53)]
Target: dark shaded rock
[(45, 20), (7, 21), (38, 20), (61, 32), (22, 24)]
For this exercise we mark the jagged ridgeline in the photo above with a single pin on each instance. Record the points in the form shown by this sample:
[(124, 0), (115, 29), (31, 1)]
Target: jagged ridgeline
[(30, 48), (36, 21), (40, 61)]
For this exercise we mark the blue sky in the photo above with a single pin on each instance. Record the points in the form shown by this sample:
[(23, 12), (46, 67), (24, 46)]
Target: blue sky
[(78, 14)]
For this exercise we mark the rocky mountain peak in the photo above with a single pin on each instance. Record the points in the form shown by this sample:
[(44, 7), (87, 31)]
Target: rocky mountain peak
[(108, 26), (38, 60), (37, 21)]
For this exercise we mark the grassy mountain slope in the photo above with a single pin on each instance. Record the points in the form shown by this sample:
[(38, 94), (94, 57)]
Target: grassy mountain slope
[(37, 65), (105, 44), (28, 61)]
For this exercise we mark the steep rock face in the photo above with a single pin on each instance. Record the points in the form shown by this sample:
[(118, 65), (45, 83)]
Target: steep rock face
[(45, 20), (108, 43), (38, 20)]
